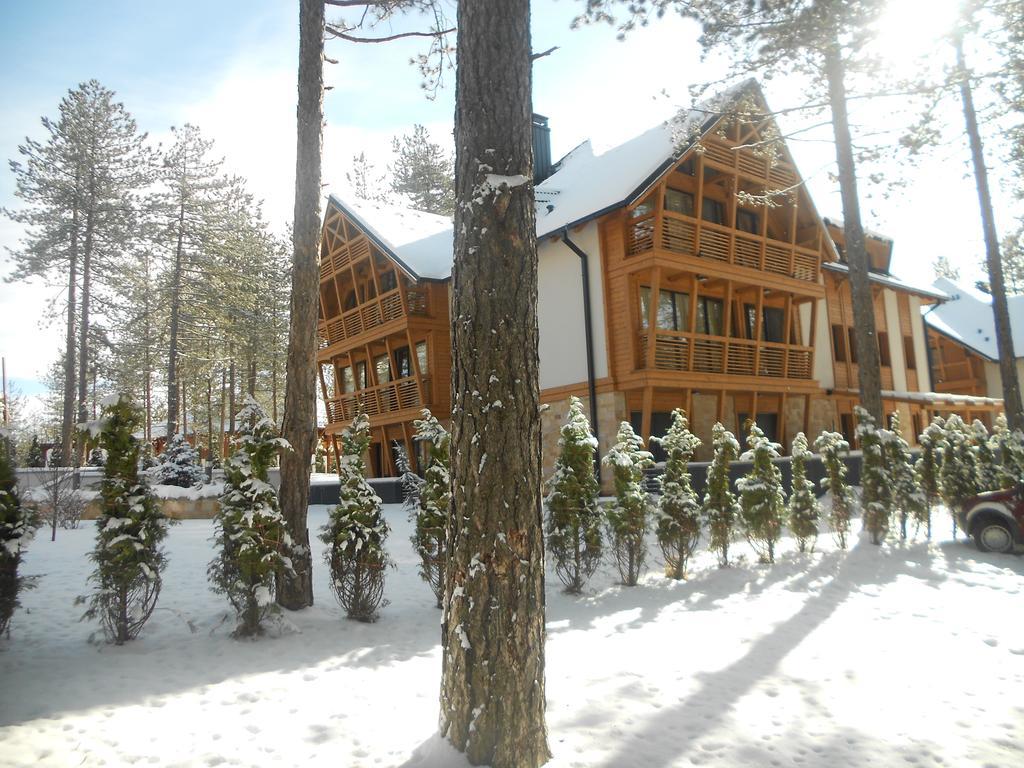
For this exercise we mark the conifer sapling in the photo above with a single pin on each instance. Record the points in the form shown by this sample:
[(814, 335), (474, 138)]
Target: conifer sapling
[(678, 510), (720, 509), (928, 467), (802, 506), (1008, 447), (434, 500), (876, 481), (832, 446), (356, 530), (249, 530), (907, 497), (131, 526), (15, 531), (989, 470), (958, 477), (761, 498), (627, 515), (178, 464)]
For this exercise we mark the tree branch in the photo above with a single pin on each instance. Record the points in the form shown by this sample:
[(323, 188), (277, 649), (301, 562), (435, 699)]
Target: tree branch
[(342, 34), (542, 54)]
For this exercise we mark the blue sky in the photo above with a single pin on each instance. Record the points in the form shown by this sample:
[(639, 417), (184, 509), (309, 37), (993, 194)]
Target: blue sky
[(230, 68)]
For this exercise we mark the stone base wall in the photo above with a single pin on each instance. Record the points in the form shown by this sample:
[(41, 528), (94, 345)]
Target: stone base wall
[(611, 411), (178, 509)]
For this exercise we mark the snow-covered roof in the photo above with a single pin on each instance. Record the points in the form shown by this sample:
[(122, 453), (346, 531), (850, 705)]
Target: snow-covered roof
[(966, 316), (874, 234), (583, 187), (422, 243), (889, 281)]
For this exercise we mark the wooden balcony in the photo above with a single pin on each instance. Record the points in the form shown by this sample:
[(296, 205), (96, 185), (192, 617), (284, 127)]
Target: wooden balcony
[(698, 353), (693, 237), (371, 314), (382, 400)]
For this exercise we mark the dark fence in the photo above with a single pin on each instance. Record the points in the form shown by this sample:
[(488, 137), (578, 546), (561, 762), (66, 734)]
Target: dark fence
[(388, 488)]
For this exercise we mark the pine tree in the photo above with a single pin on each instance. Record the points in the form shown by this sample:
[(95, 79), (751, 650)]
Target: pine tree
[(250, 534), (423, 173), (34, 458), (15, 531), (627, 515), (128, 556), (958, 477), (1008, 447), (762, 500), (178, 464), (875, 479), (365, 182), (907, 497), (356, 531), (928, 468), (802, 506), (989, 470), (96, 458), (574, 518), (832, 447), (412, 484), (678, 511), (720, 509), (431, 512)]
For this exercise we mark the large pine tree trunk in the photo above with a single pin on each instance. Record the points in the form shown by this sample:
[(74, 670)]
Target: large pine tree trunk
[(83, 324), (492, 692), (299, 426), (68, 416), (172, 353), (865, 337), (1004, 337)]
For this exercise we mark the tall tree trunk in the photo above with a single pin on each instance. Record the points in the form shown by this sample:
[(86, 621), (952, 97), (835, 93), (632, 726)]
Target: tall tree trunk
[(299, 426), (172, 354), (1004, 337), (252, 377), (83, 319), (231, 397), (865, 337), (492, 690), (223, 400), (68, 416)]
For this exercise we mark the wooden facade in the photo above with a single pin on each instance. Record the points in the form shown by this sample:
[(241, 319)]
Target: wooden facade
[(384, 340)]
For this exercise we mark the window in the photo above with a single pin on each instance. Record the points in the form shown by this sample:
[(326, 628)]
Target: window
[(839, 343), (350, 301), (883, 349), (421, 357), (348, 380), (673, 309), (643, 209), (766, 422), (660, 423), (748, 221), (382, 367), (360, 382), (709, 316), (853, 345), (847, 429), (908, 353), (678, 201), (403, 363), (773, 323), (713, 211), (388, 281)]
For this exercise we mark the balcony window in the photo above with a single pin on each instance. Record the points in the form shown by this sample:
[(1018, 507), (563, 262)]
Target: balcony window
[(709, 316), (421, 356), (360, 380), (673, 309), (712, 210), (908, 353), (748, 221), (350, 301), (773, 321), (388, 281), (852, 346), (678, 201), (883, 349), (382, 367), (348, 379), (643, 209), (403, 363)]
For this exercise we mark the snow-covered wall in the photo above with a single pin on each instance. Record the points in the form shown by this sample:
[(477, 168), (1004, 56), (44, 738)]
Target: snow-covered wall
[(924, 374), (824, 373), (892, 323), (563, 349)]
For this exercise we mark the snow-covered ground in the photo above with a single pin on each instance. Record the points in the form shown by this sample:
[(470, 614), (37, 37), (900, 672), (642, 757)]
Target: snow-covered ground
[(904, 655)]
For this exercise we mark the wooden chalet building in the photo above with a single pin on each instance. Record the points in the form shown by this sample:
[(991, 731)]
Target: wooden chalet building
[(684, 268)]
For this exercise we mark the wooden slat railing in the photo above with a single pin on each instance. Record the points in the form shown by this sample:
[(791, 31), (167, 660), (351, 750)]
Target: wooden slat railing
[(369, 315), (717, 354), (398, 395)]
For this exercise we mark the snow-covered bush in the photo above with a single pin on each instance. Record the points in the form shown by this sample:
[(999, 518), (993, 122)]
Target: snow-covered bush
[(928, 467), (34, 458), (574, 518), (802, 506), (412, 484), (430, 513), (15, 530), (958, 477), (832, 446), (147, 460), (720, 509), (678, 509), (178, 464), (96, 458), (356, 530), (988, 469), (875, 478), (627, 515), (908, 500), (128, 556), (761, 498), (1008, 447), (249, 531)]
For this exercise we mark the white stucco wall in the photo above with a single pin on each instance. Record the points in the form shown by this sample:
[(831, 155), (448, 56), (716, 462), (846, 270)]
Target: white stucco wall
[(824, 373), (563, 350), (994, 380), (924, 374), (892, 328)]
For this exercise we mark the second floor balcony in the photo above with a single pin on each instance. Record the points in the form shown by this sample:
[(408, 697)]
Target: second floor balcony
[(372, 314), (701, 353), (382, 400)]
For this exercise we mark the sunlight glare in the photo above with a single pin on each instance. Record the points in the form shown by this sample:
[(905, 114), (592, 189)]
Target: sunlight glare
[(911, 30)]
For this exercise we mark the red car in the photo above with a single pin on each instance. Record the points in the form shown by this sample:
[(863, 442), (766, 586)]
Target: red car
[(995, 520)]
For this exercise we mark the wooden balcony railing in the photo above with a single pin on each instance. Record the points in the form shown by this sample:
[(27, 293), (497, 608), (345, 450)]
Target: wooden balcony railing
[(687, 235), (397, 395), (680, 351), (336, 262), (369, 315)]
